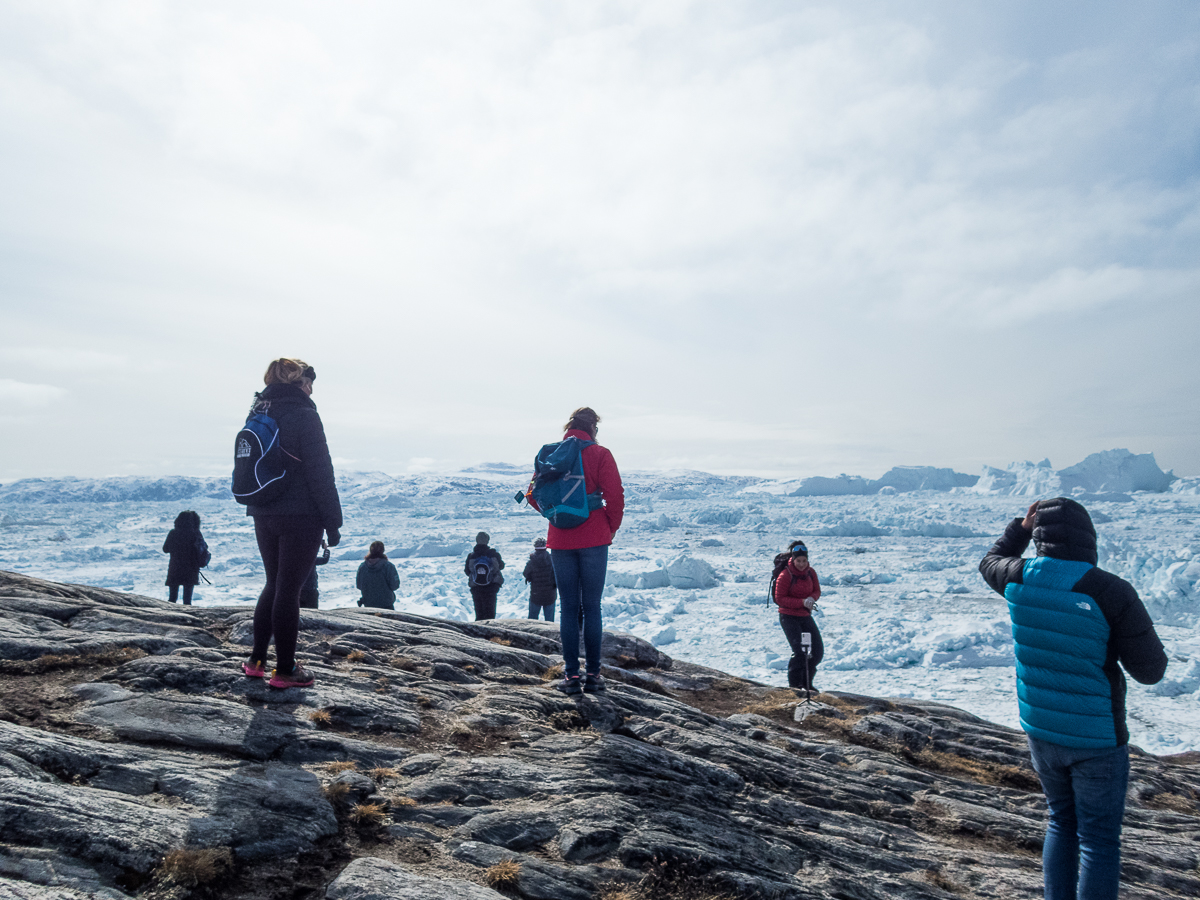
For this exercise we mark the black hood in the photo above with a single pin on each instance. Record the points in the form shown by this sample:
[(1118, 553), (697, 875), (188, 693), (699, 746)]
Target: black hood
[(1062, 529)]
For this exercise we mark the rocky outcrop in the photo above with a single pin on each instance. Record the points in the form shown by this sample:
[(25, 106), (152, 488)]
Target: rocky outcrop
[(435, 759)]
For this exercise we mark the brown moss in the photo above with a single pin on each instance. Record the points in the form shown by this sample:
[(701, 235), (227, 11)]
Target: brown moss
[(341, 765), (503, 874), (403, 663), (190, 868), (51, 662), (356, 656), (379, 773)]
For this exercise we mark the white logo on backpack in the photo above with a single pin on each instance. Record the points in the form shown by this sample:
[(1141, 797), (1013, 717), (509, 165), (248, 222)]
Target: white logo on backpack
[(243, 449)]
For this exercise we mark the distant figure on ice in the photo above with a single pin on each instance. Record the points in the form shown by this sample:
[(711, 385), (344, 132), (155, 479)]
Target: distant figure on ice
[(310, 595), (539, 575), (796, 590), (483, 576), (1072, 624), (579, 546), (189, 554), (377, 579), (290, 512)]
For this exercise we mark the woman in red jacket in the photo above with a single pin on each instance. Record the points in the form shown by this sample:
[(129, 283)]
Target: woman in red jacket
[(580, 557), (796, 593)]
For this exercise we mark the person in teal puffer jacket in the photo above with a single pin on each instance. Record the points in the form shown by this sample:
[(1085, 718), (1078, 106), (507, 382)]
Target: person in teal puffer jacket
[(1074, 627), (377, 579)]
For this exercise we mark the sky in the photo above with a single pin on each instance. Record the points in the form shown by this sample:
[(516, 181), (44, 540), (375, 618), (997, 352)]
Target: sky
[(770, 238)]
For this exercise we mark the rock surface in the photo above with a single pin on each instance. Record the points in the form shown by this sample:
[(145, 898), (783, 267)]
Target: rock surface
[(435, 759)]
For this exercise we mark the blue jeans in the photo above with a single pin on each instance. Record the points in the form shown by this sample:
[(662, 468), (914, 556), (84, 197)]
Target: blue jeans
[(1085, 791), (580, 576), (536, 609)]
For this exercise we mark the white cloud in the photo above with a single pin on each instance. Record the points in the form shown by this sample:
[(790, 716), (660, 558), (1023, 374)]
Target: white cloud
[(22, 395)]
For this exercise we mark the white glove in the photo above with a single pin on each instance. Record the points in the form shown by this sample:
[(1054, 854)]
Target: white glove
[(809, 602)]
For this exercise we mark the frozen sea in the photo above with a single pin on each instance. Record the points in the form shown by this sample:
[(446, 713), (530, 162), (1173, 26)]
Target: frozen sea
[(903, 611)]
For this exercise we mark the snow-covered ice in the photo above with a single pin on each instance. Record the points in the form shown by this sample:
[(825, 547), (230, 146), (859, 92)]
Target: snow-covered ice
[(904, 612)]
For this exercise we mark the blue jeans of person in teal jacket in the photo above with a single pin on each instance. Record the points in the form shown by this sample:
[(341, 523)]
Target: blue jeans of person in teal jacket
[(1085, 791)]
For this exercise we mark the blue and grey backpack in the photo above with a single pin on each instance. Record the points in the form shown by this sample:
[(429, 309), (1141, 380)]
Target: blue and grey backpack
[(558, 485), (259, 461)]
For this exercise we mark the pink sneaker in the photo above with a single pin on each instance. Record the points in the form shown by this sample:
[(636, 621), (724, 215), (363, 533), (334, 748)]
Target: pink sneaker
[(256, 668), (299, 677)]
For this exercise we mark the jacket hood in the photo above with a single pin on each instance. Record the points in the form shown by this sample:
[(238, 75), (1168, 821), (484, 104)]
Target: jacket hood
[(281, 395), (1062, 529)]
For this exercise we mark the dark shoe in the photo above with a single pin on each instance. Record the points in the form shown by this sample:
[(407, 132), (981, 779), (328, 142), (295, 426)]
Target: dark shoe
[(593, 684), (299, 677), (256, 668), (571, 684)]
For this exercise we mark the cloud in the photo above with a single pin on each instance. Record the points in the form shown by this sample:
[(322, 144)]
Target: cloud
[(22, 395)]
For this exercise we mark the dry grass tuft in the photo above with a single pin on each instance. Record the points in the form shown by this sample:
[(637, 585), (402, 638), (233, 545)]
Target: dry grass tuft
[(403, 801), (554, 673), (190, 868), (341, 765), (568, 720), (379, 773), (503, 874), (321, 717), (336, 791), (1173, 802), (51, 662), (777, 704), (938, 879), (424, 702), (369, 815), (355, 656), (403, 663), (505, 642)]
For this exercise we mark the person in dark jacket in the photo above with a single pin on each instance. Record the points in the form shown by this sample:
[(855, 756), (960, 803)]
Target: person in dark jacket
[(797, 590), (539, 574), (1074, 626), (580, 557), (310, 593), (185, 544), (483, 576), (377, 579), (289, 528)]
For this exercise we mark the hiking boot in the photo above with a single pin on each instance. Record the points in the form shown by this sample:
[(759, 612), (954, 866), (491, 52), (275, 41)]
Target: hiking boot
[(593, 684), (256, 668), (299, 677), (571, 684)]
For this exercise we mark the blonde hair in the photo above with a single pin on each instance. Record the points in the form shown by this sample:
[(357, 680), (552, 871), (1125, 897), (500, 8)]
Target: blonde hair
[(285, 370), (585, 419)]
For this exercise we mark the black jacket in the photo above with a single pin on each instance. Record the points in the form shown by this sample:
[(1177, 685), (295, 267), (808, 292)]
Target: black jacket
[(184, 567), (311, 490), (484, 550), (539, 572)]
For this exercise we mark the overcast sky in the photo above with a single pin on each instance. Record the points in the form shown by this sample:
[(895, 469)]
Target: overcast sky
[(778, 238)]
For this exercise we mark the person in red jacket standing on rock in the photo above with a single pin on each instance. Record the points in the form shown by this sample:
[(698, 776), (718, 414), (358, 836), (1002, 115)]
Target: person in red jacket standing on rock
[(580, 557), (797, 590)]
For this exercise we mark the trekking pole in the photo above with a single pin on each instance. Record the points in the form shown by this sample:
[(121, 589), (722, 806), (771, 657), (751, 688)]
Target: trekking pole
[(806, 646), (206, 581)]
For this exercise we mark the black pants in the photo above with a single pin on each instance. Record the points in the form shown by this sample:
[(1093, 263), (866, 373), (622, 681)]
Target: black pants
[(793, 627), (485, 602), (309, 597), (288, 545), (187, 594)]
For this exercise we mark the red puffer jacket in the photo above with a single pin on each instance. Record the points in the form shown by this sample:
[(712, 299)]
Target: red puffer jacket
[(792, 588), (599, 474)]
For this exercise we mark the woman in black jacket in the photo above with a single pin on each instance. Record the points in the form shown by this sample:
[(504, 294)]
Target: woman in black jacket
[(289, 528), (543, 589), (185, 544)]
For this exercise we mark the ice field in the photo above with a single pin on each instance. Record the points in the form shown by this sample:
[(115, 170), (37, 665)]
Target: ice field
[(903, 612)]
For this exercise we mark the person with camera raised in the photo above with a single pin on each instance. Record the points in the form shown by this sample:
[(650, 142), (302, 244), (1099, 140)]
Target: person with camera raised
[(796, 590), (1074, 628)]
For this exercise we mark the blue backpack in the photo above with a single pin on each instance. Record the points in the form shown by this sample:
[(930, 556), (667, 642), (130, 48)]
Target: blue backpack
[(259, 464), (558, 485)]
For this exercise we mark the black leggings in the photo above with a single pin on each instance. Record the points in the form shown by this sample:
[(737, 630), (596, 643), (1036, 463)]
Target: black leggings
[(187, 594), (793, 627), (485, 602), (288, 545)]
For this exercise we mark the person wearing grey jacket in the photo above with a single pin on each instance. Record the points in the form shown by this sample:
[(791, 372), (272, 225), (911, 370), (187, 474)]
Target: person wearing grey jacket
[(377, 579)]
